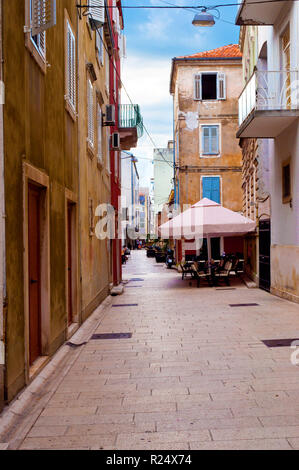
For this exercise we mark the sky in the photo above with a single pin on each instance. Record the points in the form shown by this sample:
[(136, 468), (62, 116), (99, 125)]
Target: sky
[(154, 37)]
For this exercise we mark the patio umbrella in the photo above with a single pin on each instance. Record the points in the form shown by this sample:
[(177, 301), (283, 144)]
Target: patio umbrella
[(206, 219)]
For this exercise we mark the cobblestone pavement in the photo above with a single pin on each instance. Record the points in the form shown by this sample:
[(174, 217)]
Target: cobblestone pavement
[(194, 374)]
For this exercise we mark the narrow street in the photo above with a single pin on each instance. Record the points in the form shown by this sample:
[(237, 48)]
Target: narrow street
[(194, 374)]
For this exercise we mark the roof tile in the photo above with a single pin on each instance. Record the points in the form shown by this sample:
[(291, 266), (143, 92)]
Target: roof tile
[(230, 51)]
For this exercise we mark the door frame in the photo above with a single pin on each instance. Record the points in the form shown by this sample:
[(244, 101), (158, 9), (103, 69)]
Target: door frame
[(34, 176), (71, 198)]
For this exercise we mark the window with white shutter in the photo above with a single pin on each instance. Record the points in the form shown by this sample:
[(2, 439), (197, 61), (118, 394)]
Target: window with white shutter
[(99, 45), (43, 15), (90, 114), (108, 149), (100, 129), (210, 140), (70, 66), (38, 36), (107, 70), (209, 86), (221, 90), (197, 86), (97, 12)]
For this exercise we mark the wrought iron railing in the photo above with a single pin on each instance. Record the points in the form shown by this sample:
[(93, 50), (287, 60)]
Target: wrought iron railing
[(130, 116), (270, 91)]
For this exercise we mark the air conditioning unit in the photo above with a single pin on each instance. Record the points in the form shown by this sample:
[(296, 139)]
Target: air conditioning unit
[(97, 13), (109, 117), (115, 141)]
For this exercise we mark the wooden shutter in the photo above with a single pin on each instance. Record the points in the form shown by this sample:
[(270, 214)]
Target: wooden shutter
[(214, 140), (71, 67), (210, 140), (108, 150), (99, 119), (97, 11), (221, 86), (211, 188), (205, 140), (90, 113), (42, 43), (197, 87), (43, 15), (99, 45)]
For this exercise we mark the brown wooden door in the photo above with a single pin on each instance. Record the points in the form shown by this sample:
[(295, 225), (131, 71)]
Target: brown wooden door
[(34, 198), (69, 263)]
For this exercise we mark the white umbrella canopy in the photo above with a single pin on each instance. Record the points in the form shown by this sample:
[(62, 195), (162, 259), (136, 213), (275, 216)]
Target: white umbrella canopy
[(206, 219)]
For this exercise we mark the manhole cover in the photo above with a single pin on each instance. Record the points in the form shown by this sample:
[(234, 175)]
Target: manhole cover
[(112, 336), (279, 343)]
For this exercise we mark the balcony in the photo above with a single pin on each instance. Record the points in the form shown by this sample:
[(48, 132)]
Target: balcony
[(265, 13), (130, 124), (268, 104)]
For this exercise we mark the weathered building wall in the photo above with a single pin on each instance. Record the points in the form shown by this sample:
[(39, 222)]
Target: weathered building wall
[(40, 144), (190, 115), (94, 173)]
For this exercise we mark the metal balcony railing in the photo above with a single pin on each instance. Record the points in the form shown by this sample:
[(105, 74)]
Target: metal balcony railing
[(130, 116), (270, 91)]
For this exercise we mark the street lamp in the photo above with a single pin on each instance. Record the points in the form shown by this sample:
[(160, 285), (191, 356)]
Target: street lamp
[(203, 18)]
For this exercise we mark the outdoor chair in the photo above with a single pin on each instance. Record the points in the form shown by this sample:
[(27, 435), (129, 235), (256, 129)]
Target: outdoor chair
[(223, 273), (200, 272), (235, 263), (186, 269)]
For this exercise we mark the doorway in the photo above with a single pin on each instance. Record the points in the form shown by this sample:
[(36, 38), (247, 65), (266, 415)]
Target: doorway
[(70, 267), (264, 254), (34, 271)]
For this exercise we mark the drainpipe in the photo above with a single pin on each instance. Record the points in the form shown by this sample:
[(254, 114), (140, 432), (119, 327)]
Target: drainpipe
[(79, 263), (2, 221)]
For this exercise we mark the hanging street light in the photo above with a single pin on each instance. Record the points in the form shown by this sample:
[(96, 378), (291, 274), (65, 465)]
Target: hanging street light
[(203, 18)]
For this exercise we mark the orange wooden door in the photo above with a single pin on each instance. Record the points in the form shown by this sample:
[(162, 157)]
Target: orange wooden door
[(69, 264), (34, 252)]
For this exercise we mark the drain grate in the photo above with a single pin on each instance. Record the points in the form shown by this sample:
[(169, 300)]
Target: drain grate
[(225, 288), (279, 343), (133, 286), (111, 336), (243, 305), (125, 305), (136, 279)]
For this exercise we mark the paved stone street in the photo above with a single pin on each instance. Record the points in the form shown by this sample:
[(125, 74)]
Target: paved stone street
[(194, 375)]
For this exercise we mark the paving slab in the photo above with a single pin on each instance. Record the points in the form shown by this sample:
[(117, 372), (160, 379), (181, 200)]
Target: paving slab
[(194, 375)]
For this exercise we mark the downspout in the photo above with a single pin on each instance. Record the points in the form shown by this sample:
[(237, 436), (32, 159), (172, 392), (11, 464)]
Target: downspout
[(2, 220)]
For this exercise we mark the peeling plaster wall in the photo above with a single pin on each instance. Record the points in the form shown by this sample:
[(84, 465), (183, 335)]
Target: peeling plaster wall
[(190, 115)]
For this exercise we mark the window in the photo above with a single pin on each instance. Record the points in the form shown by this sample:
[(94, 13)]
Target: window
[(39, 40), (210, 140), (107, 71), (209, 86), (286, 182), (108, 150), (90, 116), (70, 66), (100, 146), (211, 188), (99, 45)]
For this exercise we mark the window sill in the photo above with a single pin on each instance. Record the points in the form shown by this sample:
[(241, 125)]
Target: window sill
[(208, 155), (69, 108), (41, 61)]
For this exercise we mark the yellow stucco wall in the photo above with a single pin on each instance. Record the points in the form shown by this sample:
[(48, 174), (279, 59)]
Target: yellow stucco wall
[(94, 178)]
